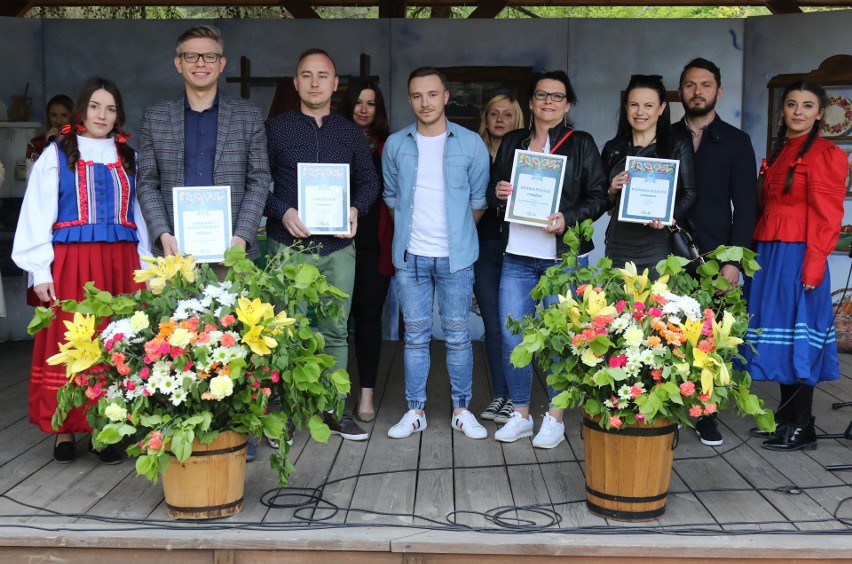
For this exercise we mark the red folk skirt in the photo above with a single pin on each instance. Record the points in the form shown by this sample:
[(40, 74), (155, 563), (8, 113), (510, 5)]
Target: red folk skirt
[(110, 266)]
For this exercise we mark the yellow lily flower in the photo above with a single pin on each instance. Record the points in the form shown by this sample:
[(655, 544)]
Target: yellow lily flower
[(596, 303), (709, 365), (259, 343), (722, 332), (636, 285), (692, 329), (281, 320), (80, 329), (252, 312), (76, 356)]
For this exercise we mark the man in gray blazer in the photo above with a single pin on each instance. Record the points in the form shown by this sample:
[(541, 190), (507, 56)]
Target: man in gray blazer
[(202, 138)]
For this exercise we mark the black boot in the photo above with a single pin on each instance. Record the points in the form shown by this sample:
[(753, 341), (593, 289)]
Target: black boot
[(794, 437)]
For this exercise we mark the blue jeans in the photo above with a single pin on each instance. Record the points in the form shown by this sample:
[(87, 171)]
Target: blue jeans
[(417, 285), (486, 288), (518, 278)]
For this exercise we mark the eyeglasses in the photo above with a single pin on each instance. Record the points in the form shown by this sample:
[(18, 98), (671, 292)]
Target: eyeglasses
[(555, 96), (193, 57)]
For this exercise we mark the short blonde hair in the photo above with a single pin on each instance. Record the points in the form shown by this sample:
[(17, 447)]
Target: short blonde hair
[(483, 123)]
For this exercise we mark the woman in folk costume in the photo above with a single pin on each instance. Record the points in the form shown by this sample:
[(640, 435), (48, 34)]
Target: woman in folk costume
[(789, 299), (79, 222)]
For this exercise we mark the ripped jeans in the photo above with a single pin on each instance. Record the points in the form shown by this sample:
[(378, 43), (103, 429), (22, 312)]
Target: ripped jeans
[(417, 285)]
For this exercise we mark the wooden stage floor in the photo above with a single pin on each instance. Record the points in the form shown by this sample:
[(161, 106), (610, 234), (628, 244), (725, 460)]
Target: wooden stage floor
[(435, 497)]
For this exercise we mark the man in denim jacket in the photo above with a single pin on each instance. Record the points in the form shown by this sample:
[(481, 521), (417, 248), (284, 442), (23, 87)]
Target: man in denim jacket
[(436, 173)]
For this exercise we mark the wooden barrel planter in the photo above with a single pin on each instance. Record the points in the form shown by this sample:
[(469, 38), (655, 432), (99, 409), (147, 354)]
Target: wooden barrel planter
[(211, 482), (628, 469)]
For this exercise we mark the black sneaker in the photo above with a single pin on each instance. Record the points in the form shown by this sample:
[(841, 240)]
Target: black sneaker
[(708, 431), (493, 409), (505, 412), (346, 427)]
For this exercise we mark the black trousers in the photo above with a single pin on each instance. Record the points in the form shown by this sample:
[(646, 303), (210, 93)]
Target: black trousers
[(368, 301), (796, 404)]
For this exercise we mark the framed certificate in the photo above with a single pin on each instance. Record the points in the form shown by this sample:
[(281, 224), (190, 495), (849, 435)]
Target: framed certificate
[(202, 221), (650, 193), (324, 197), (536, 187)]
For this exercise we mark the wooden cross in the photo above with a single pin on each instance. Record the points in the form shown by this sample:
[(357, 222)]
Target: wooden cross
[(246, 80)]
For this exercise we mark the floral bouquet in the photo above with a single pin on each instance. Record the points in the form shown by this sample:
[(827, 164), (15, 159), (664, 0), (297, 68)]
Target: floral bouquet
[(631, 350), (192, 356)]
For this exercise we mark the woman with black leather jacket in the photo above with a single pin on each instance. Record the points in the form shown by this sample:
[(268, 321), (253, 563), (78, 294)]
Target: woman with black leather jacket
[(644, 129), (531, 250)]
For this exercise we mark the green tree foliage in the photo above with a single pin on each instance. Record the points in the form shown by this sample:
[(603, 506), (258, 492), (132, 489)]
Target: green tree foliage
[(417, 12)]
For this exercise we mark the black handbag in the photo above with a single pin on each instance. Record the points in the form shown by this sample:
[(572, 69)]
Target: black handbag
[(684, 244)]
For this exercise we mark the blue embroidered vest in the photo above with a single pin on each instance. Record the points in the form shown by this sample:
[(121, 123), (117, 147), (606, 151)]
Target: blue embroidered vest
[(95, 203)]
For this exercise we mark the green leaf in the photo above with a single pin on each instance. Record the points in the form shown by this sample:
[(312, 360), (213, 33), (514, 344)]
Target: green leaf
[(319, 430), (182, 444), (147, 466), (520, 357), (42, 316), (306, 274), (766, 421), (340, 379)]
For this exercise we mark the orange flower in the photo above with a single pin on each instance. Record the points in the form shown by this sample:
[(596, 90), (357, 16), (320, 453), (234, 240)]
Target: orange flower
[(203, 375), (167, 328), (654, 341)]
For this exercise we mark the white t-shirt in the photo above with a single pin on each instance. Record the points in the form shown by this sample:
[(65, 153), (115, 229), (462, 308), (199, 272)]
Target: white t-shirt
[(429, 220), (531, 240)]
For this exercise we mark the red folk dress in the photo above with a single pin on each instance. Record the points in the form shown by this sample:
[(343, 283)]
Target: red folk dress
[(75, 227)]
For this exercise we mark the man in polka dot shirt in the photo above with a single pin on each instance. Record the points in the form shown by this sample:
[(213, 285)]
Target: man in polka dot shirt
[(313, 134)]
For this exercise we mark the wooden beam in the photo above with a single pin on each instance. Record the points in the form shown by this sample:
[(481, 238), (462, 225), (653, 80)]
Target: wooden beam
[(392, 8), (783, 7), (489, 9), (299, 9), (15, 8)]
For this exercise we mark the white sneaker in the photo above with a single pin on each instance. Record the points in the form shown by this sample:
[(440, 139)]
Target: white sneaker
[(552, 433), (466, 423), (515, 428), (411, 422)]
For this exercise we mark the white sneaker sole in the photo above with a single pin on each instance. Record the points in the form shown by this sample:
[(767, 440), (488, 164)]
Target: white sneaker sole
[(515, 438), (483, 436), (549, 445), (408, 435)]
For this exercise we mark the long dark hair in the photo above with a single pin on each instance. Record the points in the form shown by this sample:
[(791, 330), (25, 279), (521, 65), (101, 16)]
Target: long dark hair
[(69, 142), (664, 123), (781, 136), (380, 127)]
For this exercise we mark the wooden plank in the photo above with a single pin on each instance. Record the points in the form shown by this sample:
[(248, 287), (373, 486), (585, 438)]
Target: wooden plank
[(19, 438), (350, 458), (392, 488), (13, 405), (701, 470), (133, 498), (434, 498), (480, 478)]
